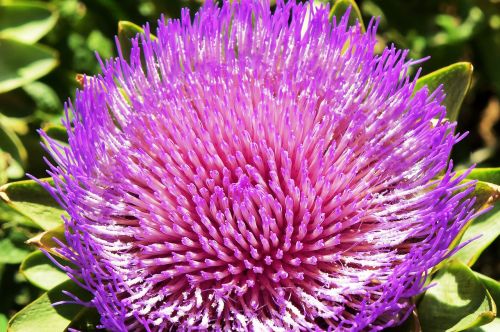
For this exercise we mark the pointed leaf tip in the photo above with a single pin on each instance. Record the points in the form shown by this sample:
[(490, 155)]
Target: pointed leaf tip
[(340, 7), (126, 31), (456, 80)]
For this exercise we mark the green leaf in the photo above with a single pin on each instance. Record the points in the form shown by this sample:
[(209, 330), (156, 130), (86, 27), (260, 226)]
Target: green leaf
[(9, 215), (56, 132), (42, 316), (488, 227), (458, 301), (41, 271), (491, 175), (46, 240), (12, 252), (15, 154), (456, 80), (126, 31), (494, 326), (32, 200), (23, 63), (26, 22), (491, 285), (340, 7)]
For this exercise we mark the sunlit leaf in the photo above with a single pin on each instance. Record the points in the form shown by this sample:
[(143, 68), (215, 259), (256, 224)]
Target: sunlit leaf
[(42, 316), (26, 22), (456, 80), (492, 286), (14, 153), (48, 240), (491, 175), (56, 132), (41, 271), (12, 252), (126, 31), (486, 227), (22, 63), (494, 326), (458, 301), (32, 200), (340, 7)]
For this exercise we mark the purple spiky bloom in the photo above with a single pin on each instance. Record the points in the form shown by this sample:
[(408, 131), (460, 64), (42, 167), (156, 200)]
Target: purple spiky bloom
[(257, 170)]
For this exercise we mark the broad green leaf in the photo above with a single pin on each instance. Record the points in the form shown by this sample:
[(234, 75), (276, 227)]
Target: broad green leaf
[(41, 271), (15, 154), (340, 7), (491, 175), (42, 316), (458, 301), (491, 285), (22, 63), (494, 326), (126, 31), (26, 22), (12, 252), (32, 200), (456, 80), (9, 215), (46, 240), (57, 132), (486, 194), (487, 226)]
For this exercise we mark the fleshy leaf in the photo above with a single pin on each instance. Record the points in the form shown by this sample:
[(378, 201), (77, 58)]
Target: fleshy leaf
[(8, 214), (126, 31), (458, 301), (41, 271), (340, 7), (487, 226), (42, 316), (456, 80), (12, 252), (494, 326), (23, 63), (491, 175), (491, 285), (13, 152), (32, 200), (26, 22), (47, 240), (56, 132)]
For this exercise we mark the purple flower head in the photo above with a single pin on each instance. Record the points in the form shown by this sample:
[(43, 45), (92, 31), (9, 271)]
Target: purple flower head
[(257, 170)]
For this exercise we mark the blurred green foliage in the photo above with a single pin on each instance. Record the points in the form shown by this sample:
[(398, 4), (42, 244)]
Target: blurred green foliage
[(45, 44)]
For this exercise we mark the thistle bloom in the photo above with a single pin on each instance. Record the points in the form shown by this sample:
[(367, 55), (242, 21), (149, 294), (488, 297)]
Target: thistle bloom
[(257, 170)]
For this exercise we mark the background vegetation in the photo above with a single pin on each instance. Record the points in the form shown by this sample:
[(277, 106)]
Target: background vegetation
[(44, 45)]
